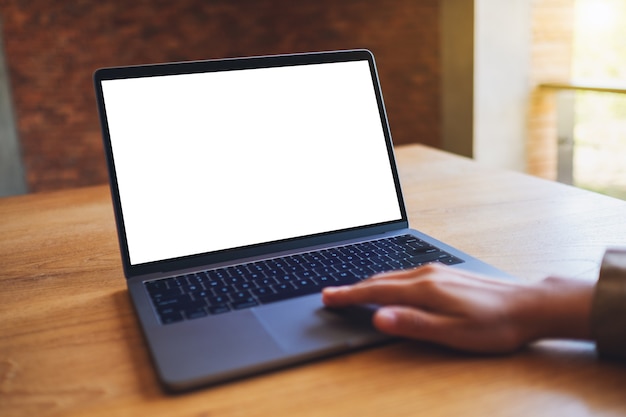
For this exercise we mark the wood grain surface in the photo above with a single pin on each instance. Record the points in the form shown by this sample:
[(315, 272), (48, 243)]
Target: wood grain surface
[(70, 344)]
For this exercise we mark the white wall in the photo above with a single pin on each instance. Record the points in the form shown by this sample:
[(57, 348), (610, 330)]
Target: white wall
[(501, 81)]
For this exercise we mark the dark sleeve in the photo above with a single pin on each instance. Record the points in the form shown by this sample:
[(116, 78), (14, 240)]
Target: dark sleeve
[(608, 314)]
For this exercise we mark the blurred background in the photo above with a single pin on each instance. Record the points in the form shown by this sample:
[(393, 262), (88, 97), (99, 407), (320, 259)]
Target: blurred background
[(513, 84), (599, 60)]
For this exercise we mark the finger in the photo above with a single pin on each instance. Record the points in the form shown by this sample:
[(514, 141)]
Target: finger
[(387, 288), (413, 323), (377, 292), (445, 330)]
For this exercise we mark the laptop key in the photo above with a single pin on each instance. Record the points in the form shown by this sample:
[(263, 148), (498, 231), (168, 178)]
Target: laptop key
[(195, 311), (345, 278), (450, 260), (234, 280), (304, 283), (171, 317), (305, 274), (242, 303), (343, 266), (283, 288), (259, 292), (378, 268), (218, 300), (286, 293), (265, 282), (285, 278), (156, 286), (159, 293), (200, 294), (219, 309), (244, 286), (225, 289), (427, 257), (172, 301), (327, 281)]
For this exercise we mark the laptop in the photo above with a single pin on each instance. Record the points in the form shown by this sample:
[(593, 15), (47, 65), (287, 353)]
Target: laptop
[(241, 187)]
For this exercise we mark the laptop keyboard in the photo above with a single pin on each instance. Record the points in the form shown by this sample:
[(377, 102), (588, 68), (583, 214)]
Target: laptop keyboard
[(218, 291)]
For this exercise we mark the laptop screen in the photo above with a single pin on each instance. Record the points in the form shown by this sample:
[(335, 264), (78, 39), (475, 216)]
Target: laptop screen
[(218, 160)]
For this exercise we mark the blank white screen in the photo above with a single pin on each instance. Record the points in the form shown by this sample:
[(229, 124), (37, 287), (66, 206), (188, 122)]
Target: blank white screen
[(220, 160)]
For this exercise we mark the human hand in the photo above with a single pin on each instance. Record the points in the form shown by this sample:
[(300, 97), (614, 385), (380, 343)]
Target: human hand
[(470, 312)]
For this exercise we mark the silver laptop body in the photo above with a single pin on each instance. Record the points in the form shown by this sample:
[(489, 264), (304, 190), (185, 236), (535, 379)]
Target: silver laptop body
[(234, 162)]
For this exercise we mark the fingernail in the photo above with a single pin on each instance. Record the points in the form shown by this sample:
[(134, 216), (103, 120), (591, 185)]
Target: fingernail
[(333, 290), (386, 317)]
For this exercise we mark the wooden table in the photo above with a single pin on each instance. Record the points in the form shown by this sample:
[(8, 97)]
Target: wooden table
[(70, 344)]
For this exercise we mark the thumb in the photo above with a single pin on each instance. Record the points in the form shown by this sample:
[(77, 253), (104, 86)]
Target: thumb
[(445, 330), (412, 323)]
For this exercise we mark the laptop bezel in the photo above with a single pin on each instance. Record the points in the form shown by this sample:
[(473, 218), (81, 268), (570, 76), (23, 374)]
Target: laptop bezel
[(199, 260)]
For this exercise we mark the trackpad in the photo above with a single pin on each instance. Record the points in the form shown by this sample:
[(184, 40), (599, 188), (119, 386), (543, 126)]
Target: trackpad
[(303, 324)]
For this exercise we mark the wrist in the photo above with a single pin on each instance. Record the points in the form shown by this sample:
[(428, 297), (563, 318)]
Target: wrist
[(558, 308)]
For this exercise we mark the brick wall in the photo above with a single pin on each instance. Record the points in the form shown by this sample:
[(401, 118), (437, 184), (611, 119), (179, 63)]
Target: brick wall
[(52, 49)]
